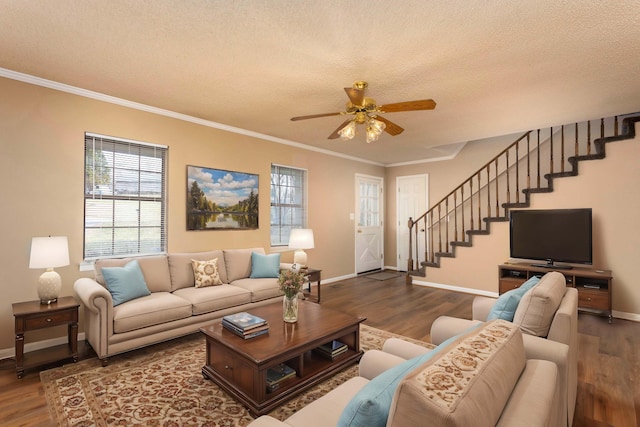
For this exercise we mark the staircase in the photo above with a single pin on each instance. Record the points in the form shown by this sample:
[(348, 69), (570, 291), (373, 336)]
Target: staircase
[(527, 166)]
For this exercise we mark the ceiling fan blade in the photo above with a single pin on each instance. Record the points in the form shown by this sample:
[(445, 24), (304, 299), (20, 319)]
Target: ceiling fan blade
[(335, 133), (314, 116), (425, 104), (356, 96), (392, 128)]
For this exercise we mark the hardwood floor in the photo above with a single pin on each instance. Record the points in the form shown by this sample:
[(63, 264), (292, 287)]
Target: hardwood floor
[(608, 365)]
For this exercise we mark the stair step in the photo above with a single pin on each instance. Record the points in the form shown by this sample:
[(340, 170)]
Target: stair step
[(478, 232), (515, 205), (430, 264), (463, 244), (596, 156), (496, 219), (560, 174), (445, 254), (537, 190)]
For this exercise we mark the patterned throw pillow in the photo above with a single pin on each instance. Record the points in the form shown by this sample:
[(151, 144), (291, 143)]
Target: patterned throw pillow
[(206, 273)]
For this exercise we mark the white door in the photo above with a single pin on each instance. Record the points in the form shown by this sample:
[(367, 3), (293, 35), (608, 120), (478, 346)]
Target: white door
[(369, 243), (411, 202)]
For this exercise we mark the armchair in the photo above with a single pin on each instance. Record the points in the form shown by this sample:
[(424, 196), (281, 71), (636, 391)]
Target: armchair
[(559, 344)]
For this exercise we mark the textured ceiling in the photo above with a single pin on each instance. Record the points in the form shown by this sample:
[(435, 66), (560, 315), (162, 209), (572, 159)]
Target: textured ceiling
[(493, 67)]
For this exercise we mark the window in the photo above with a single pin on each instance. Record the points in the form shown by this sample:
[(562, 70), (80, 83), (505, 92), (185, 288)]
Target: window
[(124, 197), (288, 202)]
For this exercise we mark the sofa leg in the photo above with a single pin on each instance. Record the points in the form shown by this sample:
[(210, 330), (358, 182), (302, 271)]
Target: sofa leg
[(104, 362)]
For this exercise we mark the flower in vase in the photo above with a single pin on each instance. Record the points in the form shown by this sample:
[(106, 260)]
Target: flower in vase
[(291, 282)]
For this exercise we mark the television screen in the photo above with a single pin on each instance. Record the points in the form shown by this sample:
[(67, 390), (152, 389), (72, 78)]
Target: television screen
[(553, 235)]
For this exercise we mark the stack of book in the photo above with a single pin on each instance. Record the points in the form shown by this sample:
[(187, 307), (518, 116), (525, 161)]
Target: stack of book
[(332, 349), (245, 325), (277, 374)]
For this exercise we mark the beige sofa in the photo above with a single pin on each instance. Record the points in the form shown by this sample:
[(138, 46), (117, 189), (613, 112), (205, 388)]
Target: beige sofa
[(483, 377), (554, 322), (174, 307)]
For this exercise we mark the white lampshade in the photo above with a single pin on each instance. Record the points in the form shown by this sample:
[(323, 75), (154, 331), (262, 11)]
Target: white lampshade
[(301, 238), (49, 252)]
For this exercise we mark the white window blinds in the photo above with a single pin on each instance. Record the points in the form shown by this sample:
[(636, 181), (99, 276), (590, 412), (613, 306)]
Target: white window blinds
[(125, 198), (288, 202)]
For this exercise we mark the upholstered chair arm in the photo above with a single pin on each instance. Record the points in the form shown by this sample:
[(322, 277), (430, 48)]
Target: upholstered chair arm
[(558, 353), (404, 349), (267, 421), (375, 362), (445, 327), (481, 308)]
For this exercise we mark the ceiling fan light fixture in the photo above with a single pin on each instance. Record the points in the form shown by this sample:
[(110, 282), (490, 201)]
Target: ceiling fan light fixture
[(374, 129), (348, 132)]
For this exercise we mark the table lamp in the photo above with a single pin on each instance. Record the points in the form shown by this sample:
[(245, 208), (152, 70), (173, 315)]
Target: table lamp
[(49, 252), (300, 239)]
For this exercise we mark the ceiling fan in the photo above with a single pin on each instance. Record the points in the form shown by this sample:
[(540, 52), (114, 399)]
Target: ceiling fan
[(365, 111)]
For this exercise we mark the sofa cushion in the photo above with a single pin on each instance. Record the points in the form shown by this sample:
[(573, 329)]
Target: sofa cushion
[(260, 289), (468, 384), (181, 269), (155, 270), (264, 265), (539, 305), (125, 283), (156, 308), (507, 303), (370, 407), (206, 273), (212, 298), (238, 263)]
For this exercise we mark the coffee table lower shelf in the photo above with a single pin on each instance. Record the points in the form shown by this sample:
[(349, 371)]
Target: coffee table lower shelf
[(260, 401)]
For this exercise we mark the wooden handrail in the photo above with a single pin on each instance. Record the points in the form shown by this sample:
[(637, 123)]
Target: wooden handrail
[(471, 197)]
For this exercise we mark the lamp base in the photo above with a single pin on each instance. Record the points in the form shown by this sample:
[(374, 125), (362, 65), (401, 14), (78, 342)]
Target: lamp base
[(300, 258), (49, 285)]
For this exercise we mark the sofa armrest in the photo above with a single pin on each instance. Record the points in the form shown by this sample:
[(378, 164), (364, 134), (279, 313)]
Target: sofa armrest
[(98, 314), (88, 290), (445, 327), (404, 349), (267, 421), (375, 362), (481, 308)]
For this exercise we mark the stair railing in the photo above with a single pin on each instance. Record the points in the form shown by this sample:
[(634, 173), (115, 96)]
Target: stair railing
[(526, 166)]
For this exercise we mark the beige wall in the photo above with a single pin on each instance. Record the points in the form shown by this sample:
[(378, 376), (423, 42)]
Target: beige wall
[(42, 172), (608, 186)]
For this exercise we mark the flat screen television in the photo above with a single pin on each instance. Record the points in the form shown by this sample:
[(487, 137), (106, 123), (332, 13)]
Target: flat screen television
[(552, 235)]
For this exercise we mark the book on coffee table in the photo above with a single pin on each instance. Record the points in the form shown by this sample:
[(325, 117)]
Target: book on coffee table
[(243, 321), (246, 334)]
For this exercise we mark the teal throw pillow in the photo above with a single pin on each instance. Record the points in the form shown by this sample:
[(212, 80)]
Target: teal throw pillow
[(370, 406), (264, 265), (125, 283), (507, 304)]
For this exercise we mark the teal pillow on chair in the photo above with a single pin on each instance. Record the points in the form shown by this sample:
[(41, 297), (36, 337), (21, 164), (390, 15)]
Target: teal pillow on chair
[(264, 265), (506, 305), (125, 283), (370, 406)]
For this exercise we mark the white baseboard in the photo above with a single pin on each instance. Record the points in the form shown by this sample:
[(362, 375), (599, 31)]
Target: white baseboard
[(456, 288), (8, 353)]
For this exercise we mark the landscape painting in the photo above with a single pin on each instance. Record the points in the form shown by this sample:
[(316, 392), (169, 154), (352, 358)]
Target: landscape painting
[(221, 200)]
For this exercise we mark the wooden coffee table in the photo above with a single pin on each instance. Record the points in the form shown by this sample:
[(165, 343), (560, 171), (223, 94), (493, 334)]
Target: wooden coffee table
[(240, 366)]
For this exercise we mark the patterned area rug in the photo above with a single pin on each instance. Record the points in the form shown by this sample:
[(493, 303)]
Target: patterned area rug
[(162, 385)]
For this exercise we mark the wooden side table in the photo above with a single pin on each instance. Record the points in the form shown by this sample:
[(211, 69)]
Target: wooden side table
[(313, 275), (32, 315)]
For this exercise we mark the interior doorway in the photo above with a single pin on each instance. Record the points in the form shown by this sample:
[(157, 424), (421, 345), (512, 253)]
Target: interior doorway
[(412, 195)]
